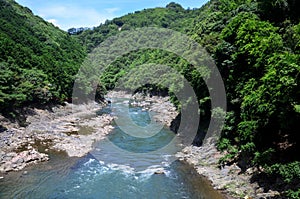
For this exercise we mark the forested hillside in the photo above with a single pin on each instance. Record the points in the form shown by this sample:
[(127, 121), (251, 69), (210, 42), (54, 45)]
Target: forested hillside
[(255, 45), (173, 17), (37, 60)]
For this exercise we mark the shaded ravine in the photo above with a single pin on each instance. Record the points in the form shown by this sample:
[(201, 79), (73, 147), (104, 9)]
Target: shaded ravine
[(109, 172)]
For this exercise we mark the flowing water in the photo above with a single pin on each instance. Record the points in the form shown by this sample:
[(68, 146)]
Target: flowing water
[(121, 166)]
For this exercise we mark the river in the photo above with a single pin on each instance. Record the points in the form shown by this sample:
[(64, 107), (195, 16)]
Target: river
[(121, 166)]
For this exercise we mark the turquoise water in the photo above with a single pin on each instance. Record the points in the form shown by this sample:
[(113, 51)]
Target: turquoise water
[(121, 166)]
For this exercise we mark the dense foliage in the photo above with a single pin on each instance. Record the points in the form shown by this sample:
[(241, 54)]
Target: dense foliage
[(38, 61), (173, 17), (257, 53), (255, 44)]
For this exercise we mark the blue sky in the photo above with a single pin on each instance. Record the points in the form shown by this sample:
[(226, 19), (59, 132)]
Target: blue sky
[(89, 13)]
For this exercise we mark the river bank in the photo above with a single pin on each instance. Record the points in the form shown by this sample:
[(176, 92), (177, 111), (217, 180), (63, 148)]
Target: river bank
[(228, 179), (165, 111), (74, 129), (70, 128)]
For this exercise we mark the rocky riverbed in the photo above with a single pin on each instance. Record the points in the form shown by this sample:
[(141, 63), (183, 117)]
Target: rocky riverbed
[(70, 128), (74, 129), (165, 111), (228, 179)]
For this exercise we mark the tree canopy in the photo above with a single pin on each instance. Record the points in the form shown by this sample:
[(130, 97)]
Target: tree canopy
[(255, 45), (38, 61)]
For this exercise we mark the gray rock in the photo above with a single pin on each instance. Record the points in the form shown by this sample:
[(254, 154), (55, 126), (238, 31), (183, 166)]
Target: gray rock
[(8, 169), (20, 161)]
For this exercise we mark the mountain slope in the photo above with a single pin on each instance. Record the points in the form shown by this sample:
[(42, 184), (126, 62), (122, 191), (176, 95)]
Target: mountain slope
[(37, 60), (173, 16), (258, 55)]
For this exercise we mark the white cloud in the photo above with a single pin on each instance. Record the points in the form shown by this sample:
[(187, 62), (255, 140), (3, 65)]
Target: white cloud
[(54, 22), (111, 10), (70, 16)]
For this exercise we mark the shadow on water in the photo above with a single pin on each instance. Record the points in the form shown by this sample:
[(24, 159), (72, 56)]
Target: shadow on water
[(107, 173), (198, 186)]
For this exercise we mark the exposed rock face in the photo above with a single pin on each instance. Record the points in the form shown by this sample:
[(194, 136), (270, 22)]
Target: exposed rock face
[(17, 161), (229, 178), (70, 128)]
